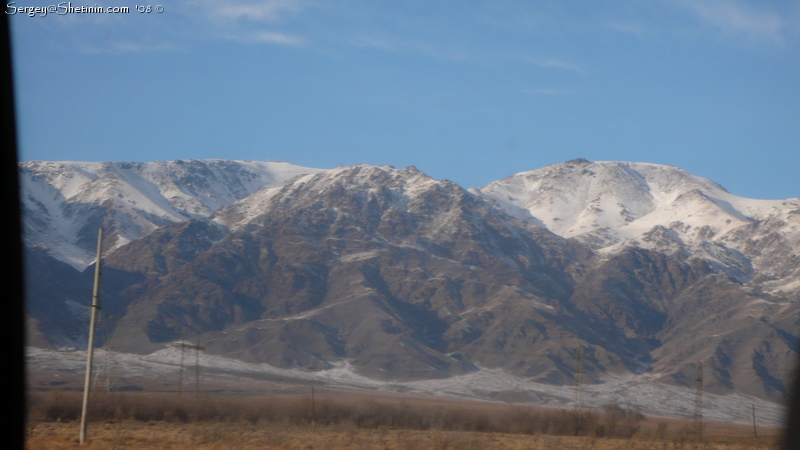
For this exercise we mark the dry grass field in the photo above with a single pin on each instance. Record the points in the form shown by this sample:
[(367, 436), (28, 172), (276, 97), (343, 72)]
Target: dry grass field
[(337, 420), (151, 435)]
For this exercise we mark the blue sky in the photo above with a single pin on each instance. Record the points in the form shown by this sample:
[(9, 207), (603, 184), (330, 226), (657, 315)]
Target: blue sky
[(466, 91)]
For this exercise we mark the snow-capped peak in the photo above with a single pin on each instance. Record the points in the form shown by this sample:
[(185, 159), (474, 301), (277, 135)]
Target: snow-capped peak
[(65, 202), (405, 184), (610, 205), (579, 196)]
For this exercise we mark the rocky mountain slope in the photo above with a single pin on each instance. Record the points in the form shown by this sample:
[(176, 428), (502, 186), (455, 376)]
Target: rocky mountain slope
[(403, 277), (389, 269)]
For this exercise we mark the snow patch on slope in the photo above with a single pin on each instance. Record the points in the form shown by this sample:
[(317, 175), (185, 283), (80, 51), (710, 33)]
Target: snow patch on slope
[(632, 391)]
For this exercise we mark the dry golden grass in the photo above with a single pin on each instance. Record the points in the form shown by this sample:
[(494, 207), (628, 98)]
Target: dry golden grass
[(338, 421), (131, 435)]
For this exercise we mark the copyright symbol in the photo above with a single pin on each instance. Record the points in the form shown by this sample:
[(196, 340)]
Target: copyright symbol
[(159, 9)]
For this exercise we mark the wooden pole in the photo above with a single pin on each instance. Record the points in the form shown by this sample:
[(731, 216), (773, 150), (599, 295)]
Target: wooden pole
[(755, 431), (313, 408), (87, 384)]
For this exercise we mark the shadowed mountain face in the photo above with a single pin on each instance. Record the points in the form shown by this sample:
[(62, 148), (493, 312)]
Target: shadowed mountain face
[(405, 277)]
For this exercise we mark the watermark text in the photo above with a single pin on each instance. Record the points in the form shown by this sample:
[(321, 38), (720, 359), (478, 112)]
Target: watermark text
[(64, 8)]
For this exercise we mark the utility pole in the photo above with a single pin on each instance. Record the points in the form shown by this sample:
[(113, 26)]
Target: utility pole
[(90, 350), (197, 349), (698, 402), (579, 371), (755, 432), (313, 408), (180, 372)]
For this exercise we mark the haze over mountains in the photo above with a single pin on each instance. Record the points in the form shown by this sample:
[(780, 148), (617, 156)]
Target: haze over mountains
[(404, 277)]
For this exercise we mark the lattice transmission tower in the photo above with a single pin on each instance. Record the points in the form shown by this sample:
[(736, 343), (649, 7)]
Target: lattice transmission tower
[(698, 402), (579, 372)]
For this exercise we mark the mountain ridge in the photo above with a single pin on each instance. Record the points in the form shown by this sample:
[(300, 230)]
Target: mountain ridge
[(611, 205), (404, 277), (64, 202)]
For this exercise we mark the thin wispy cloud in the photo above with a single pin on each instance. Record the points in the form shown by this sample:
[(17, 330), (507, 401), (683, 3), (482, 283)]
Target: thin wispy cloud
[(254, 10), (429, 48), (122, 47), (270, 37), (556, 64), (243, 20), (181, 22), (372, 42), (757, 23), (113, 34)]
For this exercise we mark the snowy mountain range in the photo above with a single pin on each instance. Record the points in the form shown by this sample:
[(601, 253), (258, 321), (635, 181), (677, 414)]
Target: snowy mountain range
[(65, 202), (613, 205), (402, 277)]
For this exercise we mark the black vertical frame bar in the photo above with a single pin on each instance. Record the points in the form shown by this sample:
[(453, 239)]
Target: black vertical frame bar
[(14, 331)]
